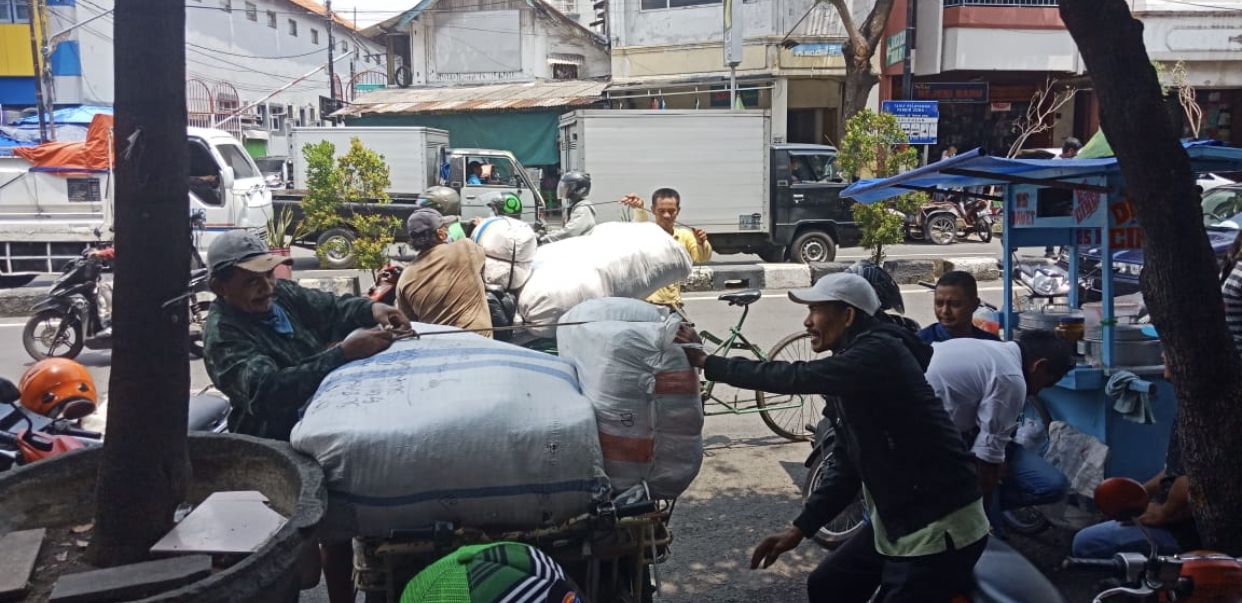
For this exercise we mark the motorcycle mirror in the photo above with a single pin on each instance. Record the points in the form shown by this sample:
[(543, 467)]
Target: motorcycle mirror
[(9, 392), (1121, 498)]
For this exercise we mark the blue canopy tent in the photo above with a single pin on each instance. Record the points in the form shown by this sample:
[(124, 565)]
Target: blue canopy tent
[(1069, 202)]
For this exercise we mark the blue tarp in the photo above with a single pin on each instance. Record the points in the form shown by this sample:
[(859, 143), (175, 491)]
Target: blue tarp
[(7, 144), (74, 115), (1203, 157)]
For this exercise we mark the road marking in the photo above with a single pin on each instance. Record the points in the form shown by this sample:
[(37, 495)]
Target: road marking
[(11, 324)]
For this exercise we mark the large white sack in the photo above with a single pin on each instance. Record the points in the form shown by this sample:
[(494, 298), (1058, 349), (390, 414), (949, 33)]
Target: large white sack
[(453, 427), (618, 259), (646, 394), (510, 246)]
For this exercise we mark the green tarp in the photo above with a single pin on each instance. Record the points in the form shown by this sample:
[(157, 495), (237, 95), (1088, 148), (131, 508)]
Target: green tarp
[(530, 136), (1096, 148)]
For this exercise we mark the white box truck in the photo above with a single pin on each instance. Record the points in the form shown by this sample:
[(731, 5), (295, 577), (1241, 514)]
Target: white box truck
[(48, 213), (780, 201)]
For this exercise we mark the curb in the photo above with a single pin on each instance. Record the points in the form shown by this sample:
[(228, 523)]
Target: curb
[(17, 302)]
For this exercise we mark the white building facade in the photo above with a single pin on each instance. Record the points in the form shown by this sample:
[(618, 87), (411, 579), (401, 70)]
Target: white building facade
[(670, 54)]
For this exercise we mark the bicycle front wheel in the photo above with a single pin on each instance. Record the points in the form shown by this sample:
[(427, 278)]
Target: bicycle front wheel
[(791, 416)]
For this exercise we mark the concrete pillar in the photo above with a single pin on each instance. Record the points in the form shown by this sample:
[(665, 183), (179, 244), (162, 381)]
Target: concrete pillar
[(780, 109)]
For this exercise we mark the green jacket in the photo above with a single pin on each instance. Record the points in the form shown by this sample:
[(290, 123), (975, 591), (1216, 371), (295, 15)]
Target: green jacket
[(267, 376)]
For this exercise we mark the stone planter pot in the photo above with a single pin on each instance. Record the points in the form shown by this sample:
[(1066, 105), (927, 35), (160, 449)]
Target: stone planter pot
[(60, 492)]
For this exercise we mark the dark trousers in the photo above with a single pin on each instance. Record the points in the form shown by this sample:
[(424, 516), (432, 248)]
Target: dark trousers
[(854, 571)]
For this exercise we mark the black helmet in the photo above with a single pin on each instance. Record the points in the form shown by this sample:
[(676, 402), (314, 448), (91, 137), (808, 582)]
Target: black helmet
[(885, 287), (502, 203), (574, 186)]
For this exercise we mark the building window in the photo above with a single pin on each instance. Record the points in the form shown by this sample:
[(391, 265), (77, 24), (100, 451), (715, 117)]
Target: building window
[(226, 5), (564, 72), (314, 36), (14, 11), (293, 28), (658, 4), (344, 46), (271, 19), (252, 12)]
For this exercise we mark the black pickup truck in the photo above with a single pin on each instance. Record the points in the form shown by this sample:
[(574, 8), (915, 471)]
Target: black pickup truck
[(340, 239)]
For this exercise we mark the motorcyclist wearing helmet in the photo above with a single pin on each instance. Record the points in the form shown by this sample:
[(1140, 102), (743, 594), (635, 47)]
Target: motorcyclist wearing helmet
[(58, 388), (888, 292), (446, 201), (573, 190)]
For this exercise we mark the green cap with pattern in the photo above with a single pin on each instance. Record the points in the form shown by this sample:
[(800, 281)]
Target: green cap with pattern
[(506, 572)]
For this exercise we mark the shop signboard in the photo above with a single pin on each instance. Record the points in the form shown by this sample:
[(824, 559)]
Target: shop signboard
[(965, 92), (896, 49)]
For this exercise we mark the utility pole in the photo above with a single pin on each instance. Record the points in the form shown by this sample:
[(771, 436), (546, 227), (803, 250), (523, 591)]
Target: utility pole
[(907, 65), (32, 8), (331, 49), (49, 84)]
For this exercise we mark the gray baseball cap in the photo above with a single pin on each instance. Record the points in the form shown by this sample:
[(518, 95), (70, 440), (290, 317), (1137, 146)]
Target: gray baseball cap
[(244, 250), (425, 220), (841, 287)]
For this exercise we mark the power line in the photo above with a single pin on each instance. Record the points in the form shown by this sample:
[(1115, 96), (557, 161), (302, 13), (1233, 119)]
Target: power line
[(252, 56)]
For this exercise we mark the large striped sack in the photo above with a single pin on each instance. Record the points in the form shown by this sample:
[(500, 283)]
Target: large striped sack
[(453, 427), (646, 394)]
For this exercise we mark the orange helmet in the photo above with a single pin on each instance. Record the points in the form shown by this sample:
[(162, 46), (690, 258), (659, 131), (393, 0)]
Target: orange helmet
[(58, 387)]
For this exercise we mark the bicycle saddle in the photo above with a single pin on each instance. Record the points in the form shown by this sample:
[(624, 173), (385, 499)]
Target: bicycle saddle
[(742, 298)]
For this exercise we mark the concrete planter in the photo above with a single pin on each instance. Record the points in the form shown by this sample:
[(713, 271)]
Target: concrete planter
[(60, 492)]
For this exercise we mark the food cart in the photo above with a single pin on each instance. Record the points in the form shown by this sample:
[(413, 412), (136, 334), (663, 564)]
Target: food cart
[(1073, 203)]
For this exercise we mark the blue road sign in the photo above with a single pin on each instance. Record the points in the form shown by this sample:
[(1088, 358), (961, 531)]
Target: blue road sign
[(919, 119)]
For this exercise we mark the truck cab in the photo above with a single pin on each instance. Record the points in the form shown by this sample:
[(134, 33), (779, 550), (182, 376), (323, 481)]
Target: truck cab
[(226, 183), (809, 217), (473, 172)]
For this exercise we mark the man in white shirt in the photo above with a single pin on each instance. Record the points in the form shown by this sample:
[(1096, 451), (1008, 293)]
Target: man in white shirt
[(983, 386)]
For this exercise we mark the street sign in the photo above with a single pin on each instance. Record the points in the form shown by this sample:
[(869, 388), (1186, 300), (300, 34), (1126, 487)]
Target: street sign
[(896, 49), (733, 36), (919, 119)]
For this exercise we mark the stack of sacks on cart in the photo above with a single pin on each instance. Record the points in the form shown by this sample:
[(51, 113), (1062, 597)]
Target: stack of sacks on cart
[(455, 427)]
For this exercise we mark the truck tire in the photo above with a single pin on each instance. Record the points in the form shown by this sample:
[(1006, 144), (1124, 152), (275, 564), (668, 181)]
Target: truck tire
[(813, 246), (337, 246)]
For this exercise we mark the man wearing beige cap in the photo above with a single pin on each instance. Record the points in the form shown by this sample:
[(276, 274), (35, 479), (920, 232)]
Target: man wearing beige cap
[(894, 442), (268, 342)]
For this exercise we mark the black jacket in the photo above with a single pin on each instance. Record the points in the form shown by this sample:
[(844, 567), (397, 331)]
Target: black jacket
[(893, 434)]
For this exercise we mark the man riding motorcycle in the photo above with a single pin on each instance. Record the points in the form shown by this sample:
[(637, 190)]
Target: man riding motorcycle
[(573, 189)]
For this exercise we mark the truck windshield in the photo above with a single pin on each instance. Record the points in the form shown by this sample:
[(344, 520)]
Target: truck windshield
[(808, 167), (237, 159)]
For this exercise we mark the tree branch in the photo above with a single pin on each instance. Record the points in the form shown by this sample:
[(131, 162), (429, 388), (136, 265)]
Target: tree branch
[(877, 20), (851, 29)]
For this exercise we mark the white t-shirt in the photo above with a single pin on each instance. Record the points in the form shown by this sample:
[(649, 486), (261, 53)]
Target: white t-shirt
[(981, 384)]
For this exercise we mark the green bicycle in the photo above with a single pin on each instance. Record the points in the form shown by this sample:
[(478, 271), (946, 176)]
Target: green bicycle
[(786, 415)]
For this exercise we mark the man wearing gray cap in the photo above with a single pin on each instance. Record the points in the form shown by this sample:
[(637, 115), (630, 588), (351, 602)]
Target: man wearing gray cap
[(444, 284), (894, 442), (268, 342)]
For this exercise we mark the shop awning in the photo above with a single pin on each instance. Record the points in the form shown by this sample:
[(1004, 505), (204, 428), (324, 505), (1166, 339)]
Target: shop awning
[(557, 58), (976, 168)]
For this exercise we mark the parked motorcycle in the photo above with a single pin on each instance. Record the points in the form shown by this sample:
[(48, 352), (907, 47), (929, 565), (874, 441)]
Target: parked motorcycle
[(42, 431), (75, 314), (1194, 577)]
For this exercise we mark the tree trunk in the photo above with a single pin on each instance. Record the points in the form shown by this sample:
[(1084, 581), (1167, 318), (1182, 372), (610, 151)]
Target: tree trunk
[(1180, 280), (859, 79), (143, 473)]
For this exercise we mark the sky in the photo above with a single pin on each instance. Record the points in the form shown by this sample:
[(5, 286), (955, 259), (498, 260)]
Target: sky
[(371, 12)]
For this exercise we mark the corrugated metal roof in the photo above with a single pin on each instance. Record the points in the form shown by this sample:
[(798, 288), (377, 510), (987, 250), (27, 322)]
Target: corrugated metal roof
[(465, 99)]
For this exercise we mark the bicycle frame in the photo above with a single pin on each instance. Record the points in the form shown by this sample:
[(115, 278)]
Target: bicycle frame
[(736, 341)]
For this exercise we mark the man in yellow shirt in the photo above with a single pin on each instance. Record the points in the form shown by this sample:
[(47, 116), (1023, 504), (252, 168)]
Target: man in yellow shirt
[(666, 205)]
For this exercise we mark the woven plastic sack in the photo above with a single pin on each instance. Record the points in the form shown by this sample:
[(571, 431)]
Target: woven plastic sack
[(1080, 456), (453, 427), (646, 394), (618, 259), (510, 247)]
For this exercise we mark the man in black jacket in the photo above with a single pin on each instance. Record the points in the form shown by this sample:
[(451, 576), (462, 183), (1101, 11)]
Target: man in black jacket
[(894, 441)]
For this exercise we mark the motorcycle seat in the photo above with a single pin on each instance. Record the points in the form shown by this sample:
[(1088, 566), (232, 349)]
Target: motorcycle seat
[(207, 411), (742, 298), (1003, 575)]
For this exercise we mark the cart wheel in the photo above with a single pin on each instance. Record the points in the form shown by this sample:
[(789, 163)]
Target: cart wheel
[(941, 229), (790, 423), (984, 229)]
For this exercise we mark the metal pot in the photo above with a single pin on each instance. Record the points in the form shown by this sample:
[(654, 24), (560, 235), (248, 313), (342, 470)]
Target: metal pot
[(1130, 346), (1046, 319)]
